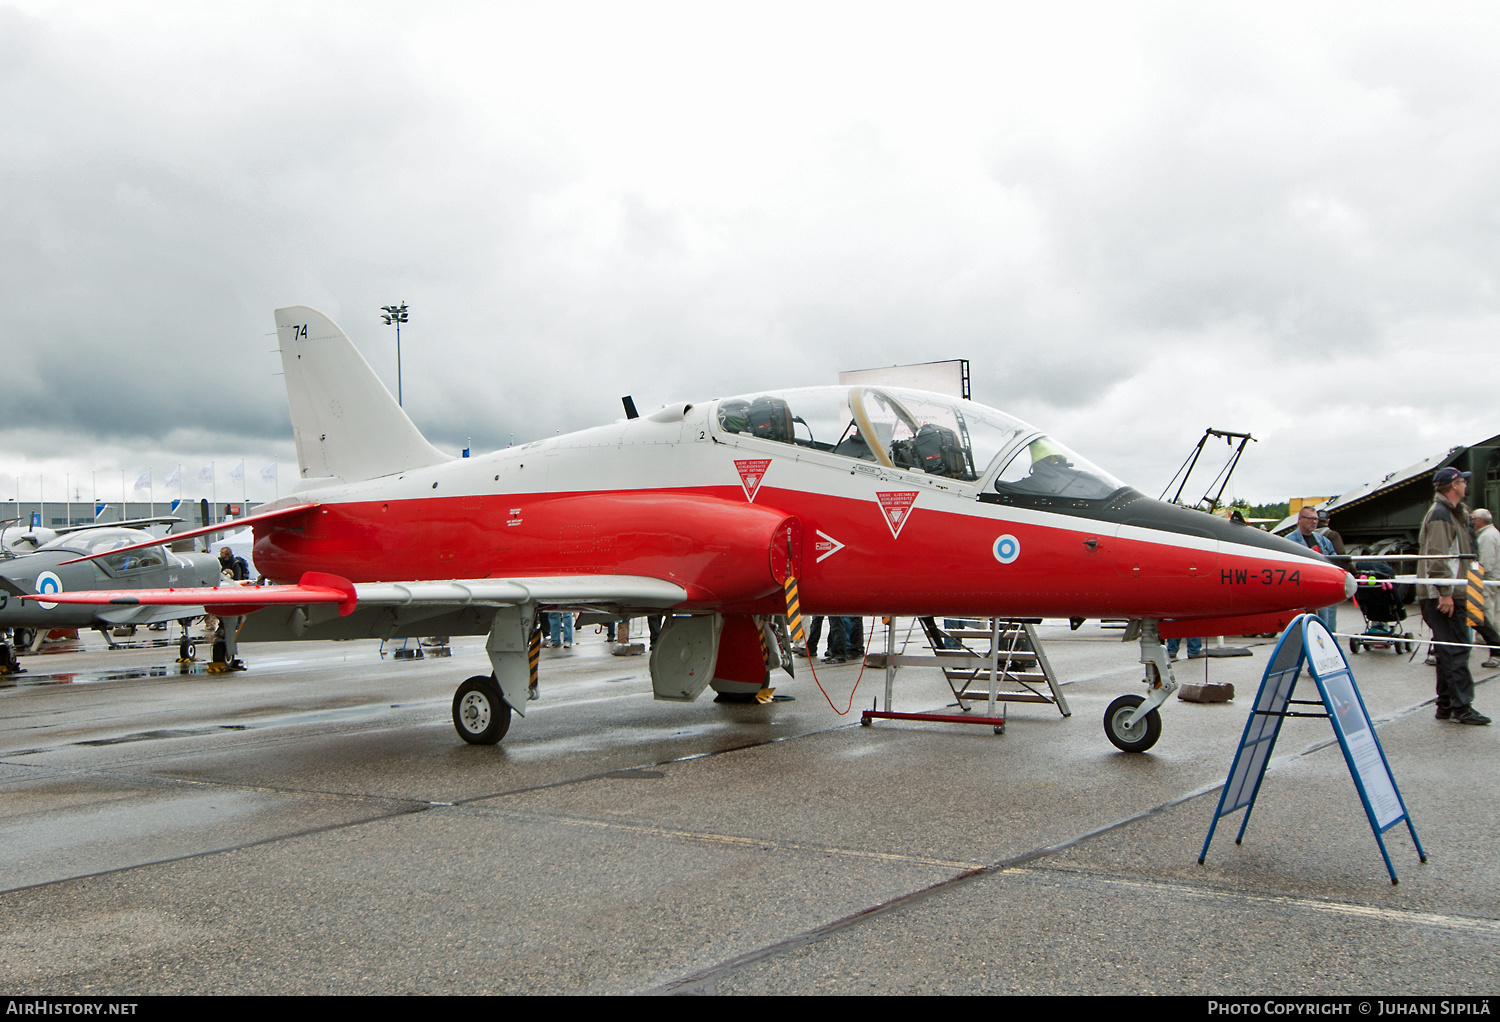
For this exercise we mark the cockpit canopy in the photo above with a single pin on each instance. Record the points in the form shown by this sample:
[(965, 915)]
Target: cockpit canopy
[(917, 431), (94, 541)]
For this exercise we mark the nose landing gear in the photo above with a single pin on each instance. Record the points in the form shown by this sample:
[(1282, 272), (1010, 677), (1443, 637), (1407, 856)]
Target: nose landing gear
[(1132, 723), (1128, 737)]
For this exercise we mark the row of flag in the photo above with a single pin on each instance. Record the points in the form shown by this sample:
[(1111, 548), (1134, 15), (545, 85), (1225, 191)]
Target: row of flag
[(206, 475)]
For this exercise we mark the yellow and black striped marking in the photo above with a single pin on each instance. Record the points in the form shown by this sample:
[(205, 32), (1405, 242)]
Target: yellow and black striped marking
[(534, 649), (794, 612), (1474, 595)]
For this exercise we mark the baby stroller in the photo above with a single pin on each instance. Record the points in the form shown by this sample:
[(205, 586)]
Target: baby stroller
[(1379, 600)]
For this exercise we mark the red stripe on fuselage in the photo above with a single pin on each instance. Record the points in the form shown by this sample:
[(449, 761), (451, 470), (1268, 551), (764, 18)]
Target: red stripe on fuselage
[(714, 544)]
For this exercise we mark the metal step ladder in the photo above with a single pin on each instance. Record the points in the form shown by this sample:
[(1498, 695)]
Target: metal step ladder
[(1011, 668), (1021, 672)]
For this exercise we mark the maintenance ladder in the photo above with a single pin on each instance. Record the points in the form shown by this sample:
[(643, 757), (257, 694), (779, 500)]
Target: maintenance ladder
[(1013, 669)]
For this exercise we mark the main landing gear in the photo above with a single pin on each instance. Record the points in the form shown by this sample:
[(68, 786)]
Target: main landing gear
[(482, 705), (1133, 723), (480, 715), (8, 662)]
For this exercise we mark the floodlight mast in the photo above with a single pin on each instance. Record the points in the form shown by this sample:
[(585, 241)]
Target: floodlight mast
[(395, 314)]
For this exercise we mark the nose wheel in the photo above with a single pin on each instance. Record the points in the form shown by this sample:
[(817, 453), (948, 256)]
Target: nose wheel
[(1137, 737), (480, 715)]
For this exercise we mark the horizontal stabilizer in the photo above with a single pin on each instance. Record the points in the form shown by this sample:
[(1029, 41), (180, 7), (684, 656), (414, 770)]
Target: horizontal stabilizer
[(208, 530), (129, 523)]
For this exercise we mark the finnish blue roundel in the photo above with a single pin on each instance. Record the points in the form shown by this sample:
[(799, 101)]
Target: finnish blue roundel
[(47, 583), (1007, 549)]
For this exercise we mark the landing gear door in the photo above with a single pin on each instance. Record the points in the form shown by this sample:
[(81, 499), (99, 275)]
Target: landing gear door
[(508, 647), (683, 656)]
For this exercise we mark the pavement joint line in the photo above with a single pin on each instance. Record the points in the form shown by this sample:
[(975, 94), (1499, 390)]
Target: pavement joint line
[(1467, 924), (358, 796), (703, 980), (735, 840), (206, 852)]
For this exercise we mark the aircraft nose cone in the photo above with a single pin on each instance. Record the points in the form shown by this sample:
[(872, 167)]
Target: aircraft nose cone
[(1349, 586)]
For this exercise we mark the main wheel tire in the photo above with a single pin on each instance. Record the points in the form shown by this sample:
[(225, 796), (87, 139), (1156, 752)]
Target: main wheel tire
[(1131, 739), (480, 715)]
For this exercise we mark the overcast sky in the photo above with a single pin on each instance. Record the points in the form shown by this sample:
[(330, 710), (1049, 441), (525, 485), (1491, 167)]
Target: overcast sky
[(1135, 220)]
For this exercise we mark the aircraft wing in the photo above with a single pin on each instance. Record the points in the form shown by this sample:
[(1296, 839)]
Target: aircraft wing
[(230, 526), (129, 523), (313, 606)]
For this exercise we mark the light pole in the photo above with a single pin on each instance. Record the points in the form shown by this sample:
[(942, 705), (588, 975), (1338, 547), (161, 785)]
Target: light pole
[(395, 314)]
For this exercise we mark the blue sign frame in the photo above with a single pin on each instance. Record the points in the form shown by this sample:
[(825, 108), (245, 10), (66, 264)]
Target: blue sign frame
[(1308, 642)]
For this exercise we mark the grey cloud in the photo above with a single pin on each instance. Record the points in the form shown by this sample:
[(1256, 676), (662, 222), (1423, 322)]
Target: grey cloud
[(1253, 209)]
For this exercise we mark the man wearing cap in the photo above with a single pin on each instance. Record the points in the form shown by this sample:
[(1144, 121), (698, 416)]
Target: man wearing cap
[(1446, 532), (1306, 534)]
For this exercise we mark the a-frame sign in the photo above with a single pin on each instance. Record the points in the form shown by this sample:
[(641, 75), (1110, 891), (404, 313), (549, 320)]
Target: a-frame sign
[(1308, 641)]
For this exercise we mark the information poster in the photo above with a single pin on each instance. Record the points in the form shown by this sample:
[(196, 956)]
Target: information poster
[(1307, 642), (1347, 713)]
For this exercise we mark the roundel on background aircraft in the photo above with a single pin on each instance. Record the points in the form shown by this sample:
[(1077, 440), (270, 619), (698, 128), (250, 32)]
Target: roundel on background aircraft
[(48, 582)]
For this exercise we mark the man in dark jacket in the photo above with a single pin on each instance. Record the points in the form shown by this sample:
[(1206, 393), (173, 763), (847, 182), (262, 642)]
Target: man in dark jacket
[(1446, 532), (236, 568)]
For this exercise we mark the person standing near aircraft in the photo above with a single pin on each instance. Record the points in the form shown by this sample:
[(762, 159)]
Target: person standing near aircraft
[(837, 649), (814, 635), (854, 637), (1327, 532), (1445, 532), (1306, 534), (237, 568), (560, 621), (1487, 543), (623, 646), (1195, 648)]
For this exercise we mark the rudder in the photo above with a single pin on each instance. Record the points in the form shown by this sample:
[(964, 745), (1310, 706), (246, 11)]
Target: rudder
[(345, 422)]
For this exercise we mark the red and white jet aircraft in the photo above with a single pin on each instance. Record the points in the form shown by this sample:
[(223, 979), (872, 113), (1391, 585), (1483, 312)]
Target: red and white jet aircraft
[(876, 500)]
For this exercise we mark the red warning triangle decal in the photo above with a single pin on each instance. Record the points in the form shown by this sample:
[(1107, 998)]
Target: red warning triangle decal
[(752, 472), (897, 508)]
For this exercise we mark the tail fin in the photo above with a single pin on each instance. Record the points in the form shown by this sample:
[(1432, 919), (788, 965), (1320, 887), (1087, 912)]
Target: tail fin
[(345, 422)]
